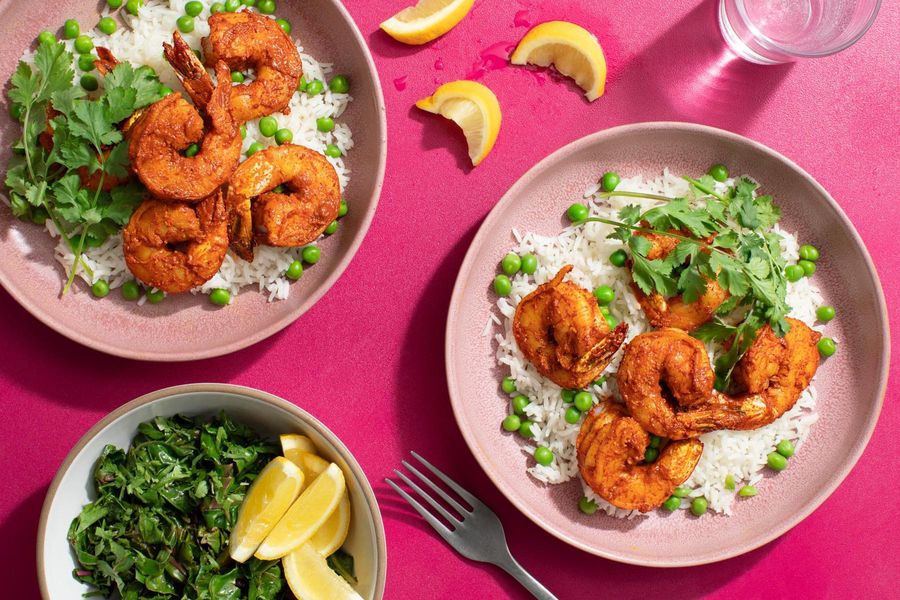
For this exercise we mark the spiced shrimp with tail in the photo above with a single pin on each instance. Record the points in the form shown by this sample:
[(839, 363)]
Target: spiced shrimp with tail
[(560, 329)]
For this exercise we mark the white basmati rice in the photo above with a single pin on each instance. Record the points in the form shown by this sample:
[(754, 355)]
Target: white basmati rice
[(139, 40), (741, 454)]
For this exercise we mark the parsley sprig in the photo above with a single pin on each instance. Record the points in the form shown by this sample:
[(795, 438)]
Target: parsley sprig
[(724, 236), (86, 141)]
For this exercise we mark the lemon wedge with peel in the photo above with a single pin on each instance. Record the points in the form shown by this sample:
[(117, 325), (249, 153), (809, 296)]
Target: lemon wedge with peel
[(332, 534), (311, 464), (310, 577), (573, 50), (293, 442), (268, 499), (427, 20), (474, 108), (306, 515)]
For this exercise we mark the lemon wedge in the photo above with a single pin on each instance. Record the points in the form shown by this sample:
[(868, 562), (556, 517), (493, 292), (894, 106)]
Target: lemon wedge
[(268, 499), (332, 534), (306, 515), (311, 464), (291, 442), (427, 20), (474, 108), (310, 577), (573, 50)]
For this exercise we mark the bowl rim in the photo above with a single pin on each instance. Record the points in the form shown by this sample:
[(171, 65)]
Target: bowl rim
[(509, 197), (226, 388), (308, 301)]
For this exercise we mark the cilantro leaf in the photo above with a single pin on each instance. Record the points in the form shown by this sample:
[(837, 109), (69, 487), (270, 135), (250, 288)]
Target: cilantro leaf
[(691, 284), (123, 200), (116, 160), (714, 331), (630, 214), (71, 199), (69, 150), (124, 77), (88, 120)]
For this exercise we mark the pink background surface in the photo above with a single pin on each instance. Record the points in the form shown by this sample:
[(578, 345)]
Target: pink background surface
[(368, 358)]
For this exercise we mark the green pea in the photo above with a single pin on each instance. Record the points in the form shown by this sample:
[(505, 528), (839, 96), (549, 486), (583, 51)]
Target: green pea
[(729, 482), (86, 62), (611, 321), (301, 85), (339, 84), (237, 77), (45, 37), (519, 403), (83, 44), (325, 124), (332, 227), (89, 82), (825, 313), (747, 491), (655, 441), (776, 461), (268, 126), (511, 264), (586, 506), (294, 271), (672, 503), (220, 297), (600, 380), (266, 7), (809, 252), (511, 423), (39, 215), (100, 289), (682, 492), (248, 2), (785, 448), (719, 172), (315, 87), (311, 254), (577, 212), (254, 148), (525, 429), (285, 25), (71, 29), (572, 416), (508, 385), (192, 150), (650, 454), (332, 151), (583, 401), (502, 285), (95, 240), (808, 266), (134, 7), (610, 181), (529, 264), (543, 455), (827, 347), (232, 5), (342, 211), (568, 396), (216, 7), (699, 506), (284, 136), (604, 294), (185, 24), (155, 296), (114, 4), (131, 290), (793, 272), (618, 258), (107, 25), (193, 8), (164, 90), (243, 132)]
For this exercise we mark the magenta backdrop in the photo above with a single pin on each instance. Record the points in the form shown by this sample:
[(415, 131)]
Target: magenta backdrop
[(368, 358)]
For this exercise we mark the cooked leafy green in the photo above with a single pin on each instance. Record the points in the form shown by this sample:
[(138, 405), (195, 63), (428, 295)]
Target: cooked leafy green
[(342, 564), (724, 236)]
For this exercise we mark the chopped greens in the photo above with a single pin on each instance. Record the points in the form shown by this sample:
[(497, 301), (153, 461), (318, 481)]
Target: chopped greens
[(342, 564), (71, 145), (725, 236)]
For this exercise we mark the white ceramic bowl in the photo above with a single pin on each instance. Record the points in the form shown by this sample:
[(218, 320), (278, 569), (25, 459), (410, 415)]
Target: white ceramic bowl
[(268, 415)]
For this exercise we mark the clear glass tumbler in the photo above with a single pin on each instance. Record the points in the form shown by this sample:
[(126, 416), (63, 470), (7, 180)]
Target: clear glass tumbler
[(777, 31)]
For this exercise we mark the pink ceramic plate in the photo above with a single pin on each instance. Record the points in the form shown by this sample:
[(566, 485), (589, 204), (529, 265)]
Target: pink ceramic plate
[(188, 327), (851, 384)]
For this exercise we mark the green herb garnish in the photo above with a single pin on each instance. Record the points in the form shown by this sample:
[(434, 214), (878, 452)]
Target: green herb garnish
[(342, 564)]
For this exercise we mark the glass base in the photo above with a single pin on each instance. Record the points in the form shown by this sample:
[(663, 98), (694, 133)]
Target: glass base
[(738, 45)]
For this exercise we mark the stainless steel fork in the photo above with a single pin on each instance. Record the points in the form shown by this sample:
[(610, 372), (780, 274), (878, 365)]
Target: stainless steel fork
[(477, 534)]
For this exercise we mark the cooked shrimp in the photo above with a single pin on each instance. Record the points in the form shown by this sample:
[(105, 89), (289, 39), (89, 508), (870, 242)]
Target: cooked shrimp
[(562, 332), (106, 61), (674, 311), (294, 218), (176, 246), (666, 366), (611, 447), (243, 40), (168, 127)]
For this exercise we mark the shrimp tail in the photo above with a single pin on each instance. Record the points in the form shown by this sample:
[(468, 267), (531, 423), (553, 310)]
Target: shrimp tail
[(190, 71), (105, 62), (599, 357)]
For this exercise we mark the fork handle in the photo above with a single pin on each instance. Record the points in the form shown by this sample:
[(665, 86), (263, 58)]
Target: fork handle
[(525, 578)]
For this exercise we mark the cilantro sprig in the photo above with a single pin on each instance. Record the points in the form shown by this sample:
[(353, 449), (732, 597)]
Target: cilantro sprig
[(87, 144), (722, 236)]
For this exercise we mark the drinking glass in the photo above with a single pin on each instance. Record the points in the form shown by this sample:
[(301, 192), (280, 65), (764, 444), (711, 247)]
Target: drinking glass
[(777, 31)]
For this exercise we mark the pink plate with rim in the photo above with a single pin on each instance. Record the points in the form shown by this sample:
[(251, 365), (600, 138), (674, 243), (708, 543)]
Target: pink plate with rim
[(188, 327), (850, 385)]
